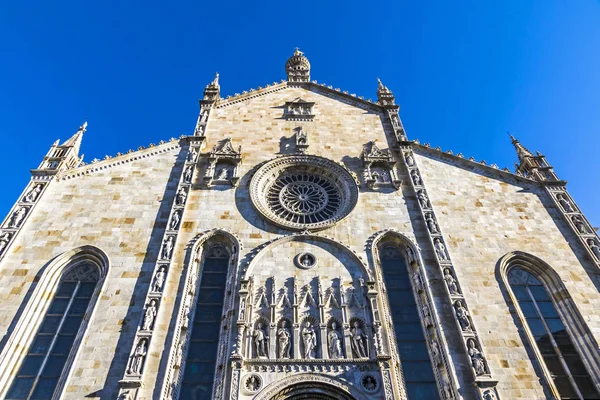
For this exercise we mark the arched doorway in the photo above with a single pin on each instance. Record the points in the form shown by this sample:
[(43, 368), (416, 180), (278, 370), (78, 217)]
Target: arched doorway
[(311, 391)]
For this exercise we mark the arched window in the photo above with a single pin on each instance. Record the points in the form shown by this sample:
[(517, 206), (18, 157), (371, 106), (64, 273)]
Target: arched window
[(54, 343), (198, 375), (416, 365), (557, 351)]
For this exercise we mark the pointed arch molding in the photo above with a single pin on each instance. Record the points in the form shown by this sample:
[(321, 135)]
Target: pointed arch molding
[(187, 307), (580, 334), (35, 310), (443, 369), (333, 385)]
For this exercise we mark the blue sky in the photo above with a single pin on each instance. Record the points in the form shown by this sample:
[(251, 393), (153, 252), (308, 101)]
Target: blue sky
[(464, 72)]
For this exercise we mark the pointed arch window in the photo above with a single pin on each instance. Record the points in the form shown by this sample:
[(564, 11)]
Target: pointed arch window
[(55, 341), (416, 365), (554, 344), (200, 362)]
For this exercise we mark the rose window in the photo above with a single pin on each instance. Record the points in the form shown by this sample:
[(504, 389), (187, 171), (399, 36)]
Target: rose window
[(303, 192)]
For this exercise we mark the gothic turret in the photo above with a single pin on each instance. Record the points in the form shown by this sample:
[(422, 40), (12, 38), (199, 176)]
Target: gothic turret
[(533, 166), (385, 97), (62, 156), (297, 67), (212, 93)]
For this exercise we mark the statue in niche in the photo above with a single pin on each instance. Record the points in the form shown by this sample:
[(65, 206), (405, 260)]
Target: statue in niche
[(149, 316), (200, 130), (594, 247), (309, 338), (125, 395), (180, 197), (159, 280), (222, 174), (243, 308), (4, 239), (463, 316), (175, 220), (415, 177), (447, 390), (33, 194), (395, 121), (301, 136), (187, 309), (440, 249), (179, 355), (435, 351), (566, 204), (335, 342), (410, 256), (167, 249), (204, 116), (17, 217), (187, 174), (418, 282), (450, 281), (410, 161), (427, 320), (477, 360), (359, 339), (193, 155), (489, 395), (431, 224), (579, 224), (283, 338), (137, 359), (423, 199), (253, 384), (260, 341)]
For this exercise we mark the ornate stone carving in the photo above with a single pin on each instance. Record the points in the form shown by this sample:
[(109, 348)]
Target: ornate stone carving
[(334, 338), (305, 260), (303, 192), (33, 194), (423, 199), (431, 224), (414, 175), (593, 245), (4, 240), (359, 339), (175, 219), (253, 383), (150, 315), (261, 341), (440, 249), (378, 167), (192, 155), (369, 383), (436, 354), (565, 203), (223, 164), (417, 282), (284, 339), (137, 358), (427, 319), (477, 360), (298, 110), (181, 197), (462, 315), (450, 281), (309, 339), (187, 174), (301, 140), (489, 394), (17, 217), (126, 395), (579, 224), (167, 248)]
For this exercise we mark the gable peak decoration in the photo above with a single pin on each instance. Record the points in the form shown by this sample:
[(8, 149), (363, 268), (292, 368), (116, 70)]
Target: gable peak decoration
[(297, 67)]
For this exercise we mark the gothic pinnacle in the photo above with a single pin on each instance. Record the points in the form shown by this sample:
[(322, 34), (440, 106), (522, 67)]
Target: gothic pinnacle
[(522, 151)]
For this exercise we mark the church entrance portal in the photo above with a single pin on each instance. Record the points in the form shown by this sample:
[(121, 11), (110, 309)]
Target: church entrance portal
[(311, 391)]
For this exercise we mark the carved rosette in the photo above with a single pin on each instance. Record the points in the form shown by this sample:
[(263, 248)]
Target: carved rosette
[(471, 342)]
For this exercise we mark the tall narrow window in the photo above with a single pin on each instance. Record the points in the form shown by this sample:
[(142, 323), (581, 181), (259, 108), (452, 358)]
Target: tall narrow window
[(416, 365), (553, 342), (202, 353), (45, 361)]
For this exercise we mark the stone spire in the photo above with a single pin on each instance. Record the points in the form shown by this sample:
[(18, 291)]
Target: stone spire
[(533, 166), (64, 156), (385, 97), (75, 140), (212, 90), (297, 67)]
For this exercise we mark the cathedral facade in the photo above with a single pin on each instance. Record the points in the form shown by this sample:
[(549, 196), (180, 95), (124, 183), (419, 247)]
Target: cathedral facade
[(297, 245)]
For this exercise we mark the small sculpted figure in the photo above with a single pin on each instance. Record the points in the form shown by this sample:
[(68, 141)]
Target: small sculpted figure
[(167, 249), (223, 173), (4, 239), (33, 194), (309, 338), (180, 197), (594, 247), (175, 220), (335, 342), (149, 316), (358, 340), (138, 357), (440, 249), (477, 360), (410, 161), (579, 224), (260, 341), (463, 316), (415, 177), (423, 199), (450, 281), (566, 204), (17, 217), (187, 175), (431, 224), (283, 337)]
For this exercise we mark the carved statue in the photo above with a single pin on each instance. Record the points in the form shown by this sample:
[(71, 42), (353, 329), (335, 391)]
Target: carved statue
[(377, 338), (137, 359), (566, 204), (193, 154), (149, 316), (167, 249), (489, 395), (260, 341), (423, 199), (309, 338), (369, 383), (33, 194), (450, 281), (187, 309), (410, 256), (447, 390), (17, 217), (427, 315), (223, 173), (187, 175), (415, 177), (252, 384), (200, 130), (594, 247), (159, 280), (417, 281), (175, 220), (358, 340), (125, 395), (431, 224), (4, 239), (477, 360), (204, 116), (440, 249), (180, 197), (579, 224), (395, 121), (179, 355), (283, 337), (335, 342), (463, 316), (410, 161), (243, 308), (435, 351)]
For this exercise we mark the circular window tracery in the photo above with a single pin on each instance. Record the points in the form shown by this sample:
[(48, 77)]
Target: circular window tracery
[(303, 192)]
